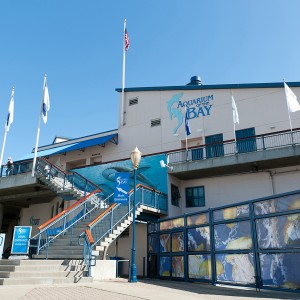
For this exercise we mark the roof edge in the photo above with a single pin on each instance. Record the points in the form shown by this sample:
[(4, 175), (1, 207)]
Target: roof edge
[(212, 86)]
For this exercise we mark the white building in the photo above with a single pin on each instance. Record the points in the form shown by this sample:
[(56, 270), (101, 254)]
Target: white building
[(220, 162)]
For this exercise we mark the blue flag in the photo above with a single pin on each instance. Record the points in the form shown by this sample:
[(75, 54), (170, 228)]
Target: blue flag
[(187, 125)]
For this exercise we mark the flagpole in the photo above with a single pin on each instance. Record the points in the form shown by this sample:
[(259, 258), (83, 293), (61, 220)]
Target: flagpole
[(123, 76), (3, 145), (7, 125), (287, 105), (38, 132), (233, 126), (186, 146)]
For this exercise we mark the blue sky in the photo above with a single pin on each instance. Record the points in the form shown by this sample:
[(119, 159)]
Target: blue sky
[(79, 45)]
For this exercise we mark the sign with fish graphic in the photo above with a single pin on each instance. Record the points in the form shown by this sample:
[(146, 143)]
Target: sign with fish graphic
[(121, 192)]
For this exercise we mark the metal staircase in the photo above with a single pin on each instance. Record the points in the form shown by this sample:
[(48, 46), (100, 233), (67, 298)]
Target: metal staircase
[(85, 230), (106, 228)]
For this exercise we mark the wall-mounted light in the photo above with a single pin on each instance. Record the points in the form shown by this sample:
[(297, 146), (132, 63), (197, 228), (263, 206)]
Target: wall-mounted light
[(164, 165)]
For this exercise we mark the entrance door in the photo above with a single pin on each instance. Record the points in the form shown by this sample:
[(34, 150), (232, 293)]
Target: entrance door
[(152, 266)]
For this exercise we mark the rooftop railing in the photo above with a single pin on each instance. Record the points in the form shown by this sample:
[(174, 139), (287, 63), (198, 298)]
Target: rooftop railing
[(246, 145)]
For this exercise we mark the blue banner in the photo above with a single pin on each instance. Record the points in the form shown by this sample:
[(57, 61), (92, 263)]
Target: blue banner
[(121, 187), (21, 238)]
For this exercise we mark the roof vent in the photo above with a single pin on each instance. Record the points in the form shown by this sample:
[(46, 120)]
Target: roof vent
[(195, 80)]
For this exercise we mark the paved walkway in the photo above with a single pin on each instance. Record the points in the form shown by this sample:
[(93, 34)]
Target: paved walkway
[(120, 289)]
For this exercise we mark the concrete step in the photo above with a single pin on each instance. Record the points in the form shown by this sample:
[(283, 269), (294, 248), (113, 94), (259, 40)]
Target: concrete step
[(104, 244), (37, 268), (56, 256), (7, 268), (63, 253), (46, 281), (41, 274), (10, 262), (64, 247), (100, 248)]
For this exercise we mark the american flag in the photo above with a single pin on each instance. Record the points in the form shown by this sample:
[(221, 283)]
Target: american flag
[(127, 43)]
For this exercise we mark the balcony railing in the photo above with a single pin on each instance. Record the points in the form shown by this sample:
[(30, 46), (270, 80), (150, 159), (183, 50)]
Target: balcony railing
[(245, 145)]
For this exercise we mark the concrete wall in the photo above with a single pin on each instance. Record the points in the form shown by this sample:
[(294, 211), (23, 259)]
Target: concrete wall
[(123, 245), (36, 214), (229, 189)]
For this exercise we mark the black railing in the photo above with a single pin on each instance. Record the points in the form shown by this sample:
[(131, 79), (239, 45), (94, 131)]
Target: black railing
[(245, 145)]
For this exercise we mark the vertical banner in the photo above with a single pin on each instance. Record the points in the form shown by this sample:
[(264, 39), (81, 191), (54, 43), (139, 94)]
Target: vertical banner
[(2, 239), (121, 187), (20, 243)]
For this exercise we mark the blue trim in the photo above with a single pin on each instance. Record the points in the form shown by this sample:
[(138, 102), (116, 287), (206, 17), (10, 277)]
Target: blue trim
[(74, 146), (211, 87)]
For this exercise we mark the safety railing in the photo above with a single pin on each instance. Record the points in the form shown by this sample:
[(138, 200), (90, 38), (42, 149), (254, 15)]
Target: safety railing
[(65, 180), (16, 168), (66, 221), (245, 145), (114, 215)]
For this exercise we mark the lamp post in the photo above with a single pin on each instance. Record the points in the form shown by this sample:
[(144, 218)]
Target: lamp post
[(135, 156)]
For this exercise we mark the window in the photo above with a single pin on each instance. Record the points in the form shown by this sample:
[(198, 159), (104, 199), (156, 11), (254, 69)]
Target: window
[(214, 146), (175, 195), (195, 196), (246, 141), (155, 122), (133, 101)]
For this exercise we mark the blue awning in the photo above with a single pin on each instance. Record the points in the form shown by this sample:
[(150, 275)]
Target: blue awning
[(75, 146)]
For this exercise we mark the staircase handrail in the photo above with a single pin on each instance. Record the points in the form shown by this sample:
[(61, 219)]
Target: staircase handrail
[(48, 233), (114, 206), (68, 210), (66, 175)]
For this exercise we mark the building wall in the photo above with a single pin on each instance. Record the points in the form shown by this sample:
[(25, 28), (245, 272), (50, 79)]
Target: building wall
[(37, 214), (123, 245), (229, 189), (262, 108)]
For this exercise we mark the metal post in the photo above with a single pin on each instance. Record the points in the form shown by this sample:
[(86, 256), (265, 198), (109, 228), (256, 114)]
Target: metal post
[(133, 265)]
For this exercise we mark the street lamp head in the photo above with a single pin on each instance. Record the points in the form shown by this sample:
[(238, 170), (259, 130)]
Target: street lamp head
[(135, 156)]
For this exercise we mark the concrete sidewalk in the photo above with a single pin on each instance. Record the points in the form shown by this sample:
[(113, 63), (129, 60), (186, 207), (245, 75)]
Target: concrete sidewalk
[(121, 289)]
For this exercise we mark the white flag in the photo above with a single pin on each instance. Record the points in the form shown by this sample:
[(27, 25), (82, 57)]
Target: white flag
[(46, 102), (291, 99), (235, 114), (10, 115)]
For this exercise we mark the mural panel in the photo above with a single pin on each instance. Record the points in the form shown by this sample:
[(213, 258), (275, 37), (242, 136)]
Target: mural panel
[(234, 212), (177, 242), (149, 173), (278, 270), (178, 266), (153, 246), (236, 268), (198, 219), (164, 266), (279, 232), (165, 243), (199, 239), (170, 224), (233, 236), (286, 203), (199, 266)]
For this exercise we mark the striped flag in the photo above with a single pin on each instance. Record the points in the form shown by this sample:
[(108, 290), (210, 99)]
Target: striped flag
[(46, 102), (10, 115), (126, 38)]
